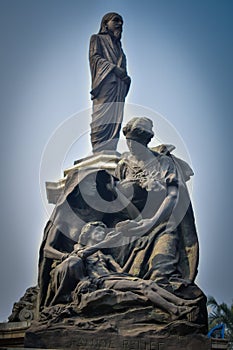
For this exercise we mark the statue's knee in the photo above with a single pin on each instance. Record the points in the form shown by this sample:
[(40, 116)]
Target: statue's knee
[(73, 262), (75, 266)]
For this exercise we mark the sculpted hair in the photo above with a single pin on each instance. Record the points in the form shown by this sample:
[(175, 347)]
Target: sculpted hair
[(105, 20), (139, 129), (85, 234)]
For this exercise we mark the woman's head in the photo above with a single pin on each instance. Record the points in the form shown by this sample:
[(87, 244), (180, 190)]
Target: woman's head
[(139, 129)]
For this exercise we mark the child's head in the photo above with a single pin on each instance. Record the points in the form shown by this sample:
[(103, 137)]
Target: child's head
[(91, 233)]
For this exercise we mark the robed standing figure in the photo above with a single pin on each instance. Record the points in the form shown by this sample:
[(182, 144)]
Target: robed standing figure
[(110, 83)]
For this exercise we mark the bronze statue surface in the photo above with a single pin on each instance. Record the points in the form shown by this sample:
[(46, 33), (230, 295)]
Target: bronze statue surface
[(120, 251), (134, 257), (110, 83)]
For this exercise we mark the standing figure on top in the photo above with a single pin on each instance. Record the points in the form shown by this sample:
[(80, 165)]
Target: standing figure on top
[(110, 83)]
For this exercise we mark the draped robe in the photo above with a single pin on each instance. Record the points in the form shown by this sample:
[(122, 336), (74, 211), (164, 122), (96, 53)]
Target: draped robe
[(167, 256), (108, 91)]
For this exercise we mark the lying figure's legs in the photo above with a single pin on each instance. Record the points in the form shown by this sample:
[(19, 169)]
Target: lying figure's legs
[(157, 297), (170, 296)]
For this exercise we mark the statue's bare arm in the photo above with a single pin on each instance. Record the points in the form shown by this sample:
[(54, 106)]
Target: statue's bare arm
[(49, 250), (133, 228)]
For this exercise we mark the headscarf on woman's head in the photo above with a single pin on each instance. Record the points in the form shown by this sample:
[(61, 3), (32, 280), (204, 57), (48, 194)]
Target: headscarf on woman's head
[(105, 20), (139, 129)]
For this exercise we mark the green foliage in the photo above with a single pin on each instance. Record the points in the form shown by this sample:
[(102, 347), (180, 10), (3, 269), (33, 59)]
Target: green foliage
[(221, 313)]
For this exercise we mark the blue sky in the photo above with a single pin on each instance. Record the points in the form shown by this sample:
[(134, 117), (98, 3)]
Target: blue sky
[(180, 56)]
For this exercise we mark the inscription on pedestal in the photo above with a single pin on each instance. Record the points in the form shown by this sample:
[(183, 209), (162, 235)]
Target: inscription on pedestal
[(142, 345)]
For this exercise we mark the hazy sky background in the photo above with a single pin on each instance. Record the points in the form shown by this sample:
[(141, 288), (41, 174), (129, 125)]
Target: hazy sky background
[(180, 58)]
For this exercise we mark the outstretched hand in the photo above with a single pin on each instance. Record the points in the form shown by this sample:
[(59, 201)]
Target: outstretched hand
[(78, 252), (125, 225), (134, 228)]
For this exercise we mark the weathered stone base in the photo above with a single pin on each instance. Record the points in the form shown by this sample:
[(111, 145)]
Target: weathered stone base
[(12, 334), (82, 340), (141, 328)]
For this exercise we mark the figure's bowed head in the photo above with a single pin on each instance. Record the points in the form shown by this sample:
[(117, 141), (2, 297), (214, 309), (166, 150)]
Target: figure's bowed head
[(92, 233)]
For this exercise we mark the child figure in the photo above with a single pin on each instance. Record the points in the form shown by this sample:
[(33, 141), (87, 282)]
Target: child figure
[(107, 273)]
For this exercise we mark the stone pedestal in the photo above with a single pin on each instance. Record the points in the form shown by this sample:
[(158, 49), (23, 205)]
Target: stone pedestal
[(62, 338), (105, 160), (12, 334)]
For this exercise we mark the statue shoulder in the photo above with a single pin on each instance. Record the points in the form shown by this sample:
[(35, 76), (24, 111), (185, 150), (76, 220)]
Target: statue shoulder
[(98, 38), (94, 39), (182, 166)]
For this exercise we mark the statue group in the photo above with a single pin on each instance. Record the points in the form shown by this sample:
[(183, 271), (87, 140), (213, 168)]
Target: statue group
[(120, 251)]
